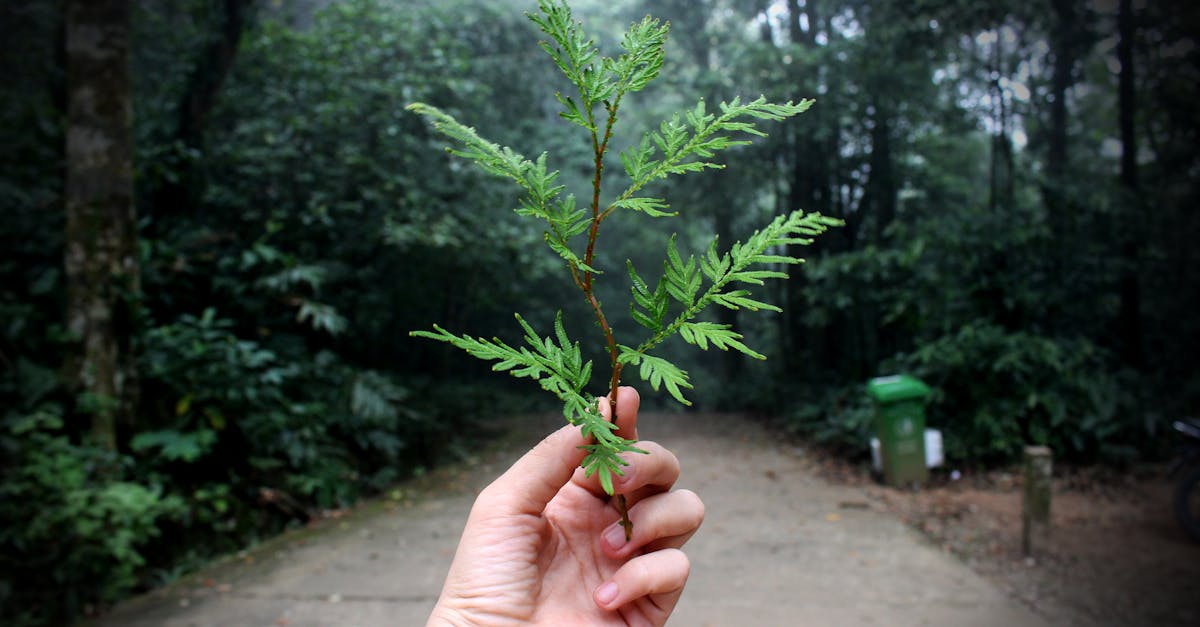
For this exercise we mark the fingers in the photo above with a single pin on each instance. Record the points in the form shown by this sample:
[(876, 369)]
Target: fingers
[(527, 486), (537, 477), (662, 521), (658, 577), (644, 475), (628, 403)]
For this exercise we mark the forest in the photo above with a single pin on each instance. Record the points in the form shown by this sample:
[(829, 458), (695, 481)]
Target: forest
[(221, 224)]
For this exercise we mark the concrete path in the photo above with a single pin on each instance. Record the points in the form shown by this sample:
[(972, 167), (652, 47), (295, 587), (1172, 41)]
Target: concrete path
[(778, 547)]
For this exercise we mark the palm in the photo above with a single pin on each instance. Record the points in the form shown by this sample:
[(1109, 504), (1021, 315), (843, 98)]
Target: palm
[(533, 550), (542, 569)]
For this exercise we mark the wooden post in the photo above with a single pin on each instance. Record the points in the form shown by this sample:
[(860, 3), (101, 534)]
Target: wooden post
[(1035, 509)]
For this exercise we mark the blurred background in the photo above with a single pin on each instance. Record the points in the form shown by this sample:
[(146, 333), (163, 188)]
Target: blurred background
[(204, 325)]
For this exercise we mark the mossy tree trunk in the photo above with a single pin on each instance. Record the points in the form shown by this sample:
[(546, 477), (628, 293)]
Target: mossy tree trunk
[(101, 254)]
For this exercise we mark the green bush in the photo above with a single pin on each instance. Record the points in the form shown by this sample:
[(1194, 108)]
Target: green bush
[(997, 390), (308, 426), (839, 419), (69, 536)]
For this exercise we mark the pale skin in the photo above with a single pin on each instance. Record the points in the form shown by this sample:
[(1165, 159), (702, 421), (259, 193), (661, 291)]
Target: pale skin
[(543, 544)]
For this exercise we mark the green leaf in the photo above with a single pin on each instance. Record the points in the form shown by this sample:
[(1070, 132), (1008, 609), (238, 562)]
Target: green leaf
[(653, 207), (175, 445), (559, 368), (637, 161), (687, 143), (739, 298), (756, 277), (683, 280), (643, 60), (658, 372), (721, 336), (652, 304), (572, 113), (490, 157), (571, 49)]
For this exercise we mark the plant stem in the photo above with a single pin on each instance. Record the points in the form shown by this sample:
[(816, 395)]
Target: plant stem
[(599, 147)]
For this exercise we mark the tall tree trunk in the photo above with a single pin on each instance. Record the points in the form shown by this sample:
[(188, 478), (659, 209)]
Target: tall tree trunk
[(101, 263), (1129, 315), (882, 192), (200, 98), (812, 350), (882, 178), (1065, 46), (208, 76), (1000, 194)]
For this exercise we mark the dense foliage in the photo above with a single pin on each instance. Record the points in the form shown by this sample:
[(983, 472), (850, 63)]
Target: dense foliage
[(1016, 180)]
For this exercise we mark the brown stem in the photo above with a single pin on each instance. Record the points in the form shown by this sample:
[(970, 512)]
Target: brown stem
[(599, 147), (622, 506)]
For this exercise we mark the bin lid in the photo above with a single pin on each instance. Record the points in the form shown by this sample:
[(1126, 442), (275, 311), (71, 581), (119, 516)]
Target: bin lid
[(897, 387)]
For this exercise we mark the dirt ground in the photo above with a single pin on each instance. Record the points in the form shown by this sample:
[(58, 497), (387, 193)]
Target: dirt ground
[(779, 546), (792, 536), (1115, 555)]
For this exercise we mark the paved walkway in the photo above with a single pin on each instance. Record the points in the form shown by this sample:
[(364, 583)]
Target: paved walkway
[(778, 547)]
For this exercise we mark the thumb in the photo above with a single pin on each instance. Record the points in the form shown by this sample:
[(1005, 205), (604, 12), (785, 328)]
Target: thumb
[(531, 482)]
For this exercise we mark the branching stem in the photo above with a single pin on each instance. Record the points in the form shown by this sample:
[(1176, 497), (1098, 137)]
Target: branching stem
[(599, 148)]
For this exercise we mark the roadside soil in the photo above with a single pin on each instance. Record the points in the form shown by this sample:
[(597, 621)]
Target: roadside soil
[(779, 546), (1114, 556)]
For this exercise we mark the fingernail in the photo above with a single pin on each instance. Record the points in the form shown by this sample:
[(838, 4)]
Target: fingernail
[(614, 536), (606, 593)]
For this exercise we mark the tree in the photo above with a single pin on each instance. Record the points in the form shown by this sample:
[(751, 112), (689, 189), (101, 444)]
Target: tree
[(1129, 316), (101, 253)]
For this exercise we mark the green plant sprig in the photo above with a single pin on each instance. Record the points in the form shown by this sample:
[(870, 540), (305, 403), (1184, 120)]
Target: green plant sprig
[(683, 144)]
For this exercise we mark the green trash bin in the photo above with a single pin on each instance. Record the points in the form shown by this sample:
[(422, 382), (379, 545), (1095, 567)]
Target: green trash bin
[(900, 426)]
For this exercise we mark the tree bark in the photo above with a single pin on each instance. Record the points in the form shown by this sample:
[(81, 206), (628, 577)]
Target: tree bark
[(200, 98), (1129, 315), (206, 80), (882, 178), (1000, 195), (808, 189), (102, 272), (1063, 49)]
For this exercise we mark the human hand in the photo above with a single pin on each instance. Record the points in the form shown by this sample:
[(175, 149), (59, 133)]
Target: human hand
[(543, 544)]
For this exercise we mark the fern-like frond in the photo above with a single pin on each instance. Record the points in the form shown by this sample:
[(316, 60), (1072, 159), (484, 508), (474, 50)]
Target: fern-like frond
[(643, 58), (543, 197), (683, 280), (575, 53), (658, 372), (556, 363), (721, 336), (687, 142), (491, 157), (558, 368)]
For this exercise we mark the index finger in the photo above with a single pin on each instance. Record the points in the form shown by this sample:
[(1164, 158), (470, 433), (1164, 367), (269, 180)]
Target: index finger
[(530, 483)]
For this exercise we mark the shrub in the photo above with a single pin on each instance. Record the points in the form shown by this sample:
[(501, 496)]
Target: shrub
[(70, 537), (996, 390)]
